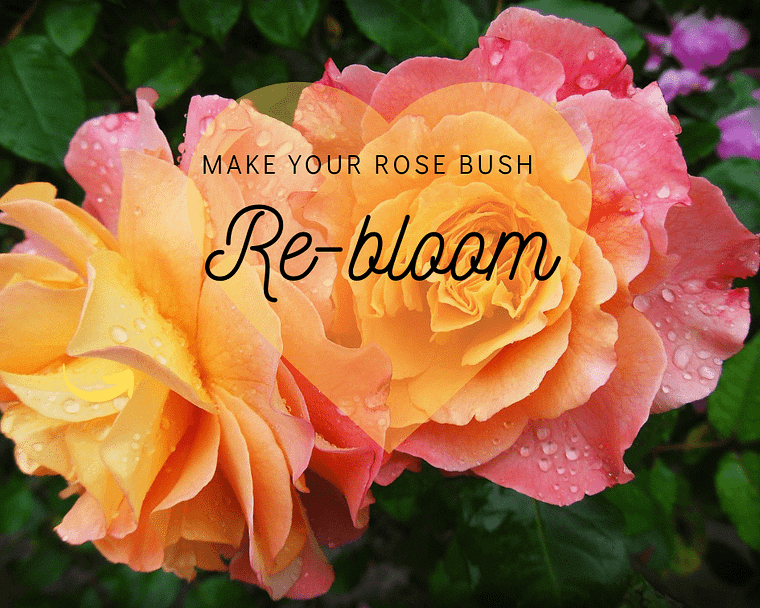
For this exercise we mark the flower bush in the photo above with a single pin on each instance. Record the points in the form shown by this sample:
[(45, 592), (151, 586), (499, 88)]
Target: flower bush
[(275, 412)]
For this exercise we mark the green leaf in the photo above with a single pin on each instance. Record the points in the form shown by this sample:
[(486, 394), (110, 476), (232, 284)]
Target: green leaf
[(612, 23), (165, 61), (212, 18), (698, 139), (256, 73), (216, 591), (19, 509), (544, 554), (41, 100), (739, 178), (742, 87), (662, 486), (417, 27), (734, 406), (70, 24), (738, 485), (403, 498), (284, 22)]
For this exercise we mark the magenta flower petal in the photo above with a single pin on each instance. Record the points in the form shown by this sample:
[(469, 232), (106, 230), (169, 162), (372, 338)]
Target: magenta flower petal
[(740, 134), (698, 42)]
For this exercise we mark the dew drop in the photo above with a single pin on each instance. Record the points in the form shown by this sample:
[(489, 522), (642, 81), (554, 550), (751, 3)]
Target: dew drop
[(560, 469), (119, 334), (682, 356), (140, 324), (703, 354), (544, 464), (707, 372), (663, 192), (206, 125), (161, 359), (587, 81), (155, 342), (525, 451), (263, 138), (284, 148), (70, 406), (672, 336), (119, 403), (298, 116), (717, 361), (542, 432), (665, 389), (573, 489), (686, 376), (641, 303), (134, 445), (668, 295), (549, 448), (37, 447), (571, 453), (111, 122), (693, 286), (496, 57), (84, 145), (590, 55)]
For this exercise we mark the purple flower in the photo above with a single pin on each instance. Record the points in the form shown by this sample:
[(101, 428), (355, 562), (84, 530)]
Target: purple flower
[(698, 42), (740, 133), (659, 46), (682, 82)]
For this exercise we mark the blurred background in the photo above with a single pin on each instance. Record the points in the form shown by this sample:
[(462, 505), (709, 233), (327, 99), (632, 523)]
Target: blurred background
[(686, 532)]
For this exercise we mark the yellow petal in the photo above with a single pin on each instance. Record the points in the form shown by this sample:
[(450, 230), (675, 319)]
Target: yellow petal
[(121, 324)]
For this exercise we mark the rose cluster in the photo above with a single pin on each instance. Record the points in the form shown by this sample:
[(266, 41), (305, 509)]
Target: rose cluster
[(256, 426)]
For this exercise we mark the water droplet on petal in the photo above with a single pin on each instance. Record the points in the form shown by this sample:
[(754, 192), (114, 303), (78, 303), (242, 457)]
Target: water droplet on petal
[(682, 356), (285, 148), (263, 138), (707, 372), (155, 342), (542, 432), (672, 336), (37, 447), (573, 489), (587, 81), (119, 334), (641, 303), (111, 122), (692, 286), (571, 453), (525, 451), (549, 448), (140, 324), (663, 192), (496, 57), (717, 361), (590, 55), (70, 406), (544, 464), (297, 116), (668, 295), (665, 389), (161, 359)]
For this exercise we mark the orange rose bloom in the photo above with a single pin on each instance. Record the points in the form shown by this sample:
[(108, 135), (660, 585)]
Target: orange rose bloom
[(222, 456), (538, 363)]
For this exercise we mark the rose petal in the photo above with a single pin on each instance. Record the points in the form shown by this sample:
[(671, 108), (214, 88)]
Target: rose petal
[(93, 158), (700, 319), (590, 58), (581, 452)]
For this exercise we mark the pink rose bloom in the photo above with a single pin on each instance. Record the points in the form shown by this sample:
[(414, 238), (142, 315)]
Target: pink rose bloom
[(740, 134), (646, 315), (698, 42), (682, 82)]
